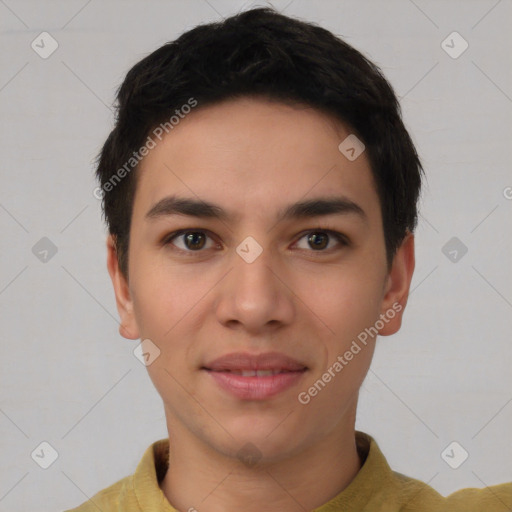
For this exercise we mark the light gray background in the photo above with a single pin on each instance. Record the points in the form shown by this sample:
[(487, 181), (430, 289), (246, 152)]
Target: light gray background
[(69, 378)]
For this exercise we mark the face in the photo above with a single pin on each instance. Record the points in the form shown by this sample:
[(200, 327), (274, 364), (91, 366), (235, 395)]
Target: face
[(260, 277)]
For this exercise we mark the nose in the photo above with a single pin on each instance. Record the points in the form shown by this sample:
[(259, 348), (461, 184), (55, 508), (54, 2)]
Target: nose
[(256, 295)]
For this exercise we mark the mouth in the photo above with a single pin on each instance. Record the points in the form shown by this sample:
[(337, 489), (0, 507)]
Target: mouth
[(255, 373), (272, 362), (255, 377)]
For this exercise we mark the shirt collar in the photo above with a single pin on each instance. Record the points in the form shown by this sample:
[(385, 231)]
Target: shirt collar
[(372, 488)]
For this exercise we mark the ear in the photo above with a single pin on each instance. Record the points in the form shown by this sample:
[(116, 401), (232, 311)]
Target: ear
[(128, 327), (397, 286)]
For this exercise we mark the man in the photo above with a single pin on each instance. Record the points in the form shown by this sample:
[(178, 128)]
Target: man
[(260, 191)]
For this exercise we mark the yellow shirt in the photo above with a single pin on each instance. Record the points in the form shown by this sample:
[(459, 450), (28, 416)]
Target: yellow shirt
[(376, 488)]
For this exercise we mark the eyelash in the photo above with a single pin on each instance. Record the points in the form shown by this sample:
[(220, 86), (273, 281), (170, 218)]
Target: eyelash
[(339, 237)]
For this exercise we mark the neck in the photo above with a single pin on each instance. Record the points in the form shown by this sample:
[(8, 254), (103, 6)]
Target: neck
[(201, 478)]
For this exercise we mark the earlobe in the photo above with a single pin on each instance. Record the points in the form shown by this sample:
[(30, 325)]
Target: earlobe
[(397, 287), (128, 326)]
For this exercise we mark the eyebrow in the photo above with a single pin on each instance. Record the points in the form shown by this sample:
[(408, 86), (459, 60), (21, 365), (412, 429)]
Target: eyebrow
[(173, 205)]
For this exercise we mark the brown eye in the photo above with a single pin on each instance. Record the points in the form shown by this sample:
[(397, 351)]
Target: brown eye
[(191, 241), (194, 240), (320, 240)]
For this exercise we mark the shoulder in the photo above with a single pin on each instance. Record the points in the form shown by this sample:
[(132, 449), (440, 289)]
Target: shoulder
[(495, 498), (125, 494), (106, 500), (417, 496)]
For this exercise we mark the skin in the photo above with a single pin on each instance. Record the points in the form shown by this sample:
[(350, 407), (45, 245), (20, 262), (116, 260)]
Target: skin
[(253, 157)]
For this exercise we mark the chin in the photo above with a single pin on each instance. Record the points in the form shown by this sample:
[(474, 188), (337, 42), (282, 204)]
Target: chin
[(271, 436)]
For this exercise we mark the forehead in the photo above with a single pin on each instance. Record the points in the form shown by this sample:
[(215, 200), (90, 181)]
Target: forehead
[(254, 156)]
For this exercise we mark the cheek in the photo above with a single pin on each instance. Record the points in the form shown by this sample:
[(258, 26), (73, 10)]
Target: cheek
[(346, 306), (164, 295), (345, 302), (169, 305)]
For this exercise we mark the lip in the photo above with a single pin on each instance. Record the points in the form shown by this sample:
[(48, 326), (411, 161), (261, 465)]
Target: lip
[(223, 372), (246, 361)]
